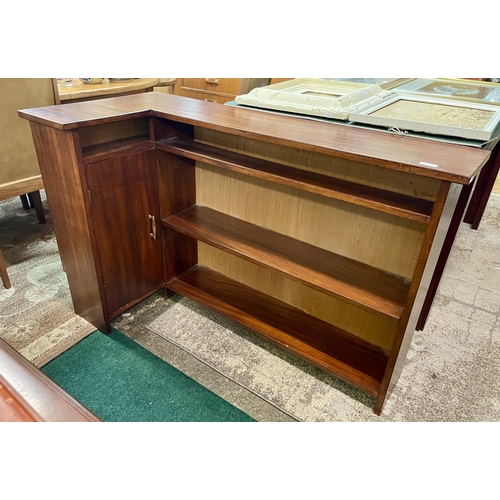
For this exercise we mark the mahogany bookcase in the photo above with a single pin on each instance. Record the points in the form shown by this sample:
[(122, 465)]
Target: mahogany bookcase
[(320, 237)]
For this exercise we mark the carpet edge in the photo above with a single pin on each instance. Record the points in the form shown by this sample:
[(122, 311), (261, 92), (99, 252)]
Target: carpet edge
[(206, 363)]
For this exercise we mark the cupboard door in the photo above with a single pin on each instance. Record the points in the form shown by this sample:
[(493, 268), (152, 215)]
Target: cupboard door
[(124, 198)]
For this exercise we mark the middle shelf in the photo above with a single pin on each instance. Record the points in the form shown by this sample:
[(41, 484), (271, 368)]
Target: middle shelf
[(367, 287)]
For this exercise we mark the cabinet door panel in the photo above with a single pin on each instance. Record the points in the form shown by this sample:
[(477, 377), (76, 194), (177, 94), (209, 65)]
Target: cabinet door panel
[(123, 195)]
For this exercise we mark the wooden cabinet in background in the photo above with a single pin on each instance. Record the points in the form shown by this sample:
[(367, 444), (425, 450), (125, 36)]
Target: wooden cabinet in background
[(279, 80), (219, 90)]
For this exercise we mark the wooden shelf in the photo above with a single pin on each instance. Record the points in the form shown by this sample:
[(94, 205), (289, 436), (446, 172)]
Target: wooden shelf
[(340, 353), (354, 282), (377, 199), (113, 149)]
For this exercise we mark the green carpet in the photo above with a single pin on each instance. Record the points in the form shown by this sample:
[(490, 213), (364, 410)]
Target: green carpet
[(120, 381)]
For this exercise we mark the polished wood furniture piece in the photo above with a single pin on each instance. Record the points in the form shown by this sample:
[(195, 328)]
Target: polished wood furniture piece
[(79, 91), (219, 90), (484, 187), (470, 209), (321, 237), (28, 395), (279, 80)]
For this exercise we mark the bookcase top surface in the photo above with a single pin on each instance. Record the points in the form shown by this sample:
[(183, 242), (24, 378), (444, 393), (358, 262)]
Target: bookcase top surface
[(435, 159)]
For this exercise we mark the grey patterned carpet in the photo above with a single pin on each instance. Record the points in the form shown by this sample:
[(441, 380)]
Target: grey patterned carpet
[(36, 313)]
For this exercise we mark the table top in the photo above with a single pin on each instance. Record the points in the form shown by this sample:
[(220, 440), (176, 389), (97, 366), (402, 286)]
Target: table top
[(449, 162), (80, 90)]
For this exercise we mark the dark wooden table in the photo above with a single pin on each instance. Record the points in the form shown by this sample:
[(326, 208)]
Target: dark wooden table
[(470, 210)]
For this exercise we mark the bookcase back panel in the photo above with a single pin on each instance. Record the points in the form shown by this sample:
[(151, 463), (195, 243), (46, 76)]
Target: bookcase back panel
[(369, 175), (381, 240), (100, 134)]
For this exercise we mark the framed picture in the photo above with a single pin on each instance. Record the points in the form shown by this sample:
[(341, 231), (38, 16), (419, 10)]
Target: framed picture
[(431, 115), (313, 96), (458, 89)]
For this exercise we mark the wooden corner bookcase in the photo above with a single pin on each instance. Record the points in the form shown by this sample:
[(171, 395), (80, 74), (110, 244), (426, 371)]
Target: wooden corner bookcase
[(320, 237)]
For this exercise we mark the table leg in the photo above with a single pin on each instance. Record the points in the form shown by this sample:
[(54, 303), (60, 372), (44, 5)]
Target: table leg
[(36, 203), (443, 256), (25, 202), (3, 272), (482, 191)]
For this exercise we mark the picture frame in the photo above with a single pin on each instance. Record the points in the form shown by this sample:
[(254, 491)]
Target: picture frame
[(454, 88), (313, 96), (456, 118)]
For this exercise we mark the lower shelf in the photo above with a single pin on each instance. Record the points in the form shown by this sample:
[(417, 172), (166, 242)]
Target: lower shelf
[(344, 355)]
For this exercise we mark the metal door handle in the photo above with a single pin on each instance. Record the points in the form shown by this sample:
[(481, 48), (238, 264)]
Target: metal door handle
[(153, 226)]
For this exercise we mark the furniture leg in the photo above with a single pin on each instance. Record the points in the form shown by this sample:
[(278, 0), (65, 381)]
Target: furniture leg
[(36, 203), (3, 272), (25, 202)]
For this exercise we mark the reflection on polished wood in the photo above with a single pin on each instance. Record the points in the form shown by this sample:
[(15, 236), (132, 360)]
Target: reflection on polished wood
[(79, 91)]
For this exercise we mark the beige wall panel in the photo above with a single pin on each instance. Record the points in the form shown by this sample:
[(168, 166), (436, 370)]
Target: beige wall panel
[(18, 160), (373, 328), (398, 182), (377, 239)]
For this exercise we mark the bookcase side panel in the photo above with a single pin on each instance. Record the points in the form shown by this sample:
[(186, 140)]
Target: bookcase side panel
[(60, 162), (431, 250)]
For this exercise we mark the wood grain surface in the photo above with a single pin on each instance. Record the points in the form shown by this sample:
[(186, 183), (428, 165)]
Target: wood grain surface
[(453, 162)]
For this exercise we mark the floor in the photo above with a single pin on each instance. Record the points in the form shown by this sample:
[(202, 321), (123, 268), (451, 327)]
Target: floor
[(452, 371), (133, 324)]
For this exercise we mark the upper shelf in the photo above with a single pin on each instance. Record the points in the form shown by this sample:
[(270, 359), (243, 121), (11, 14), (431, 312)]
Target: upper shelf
[(377, 199)]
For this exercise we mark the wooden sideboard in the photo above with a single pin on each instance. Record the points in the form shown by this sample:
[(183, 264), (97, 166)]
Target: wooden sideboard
[(320, 237), (219, 90)]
